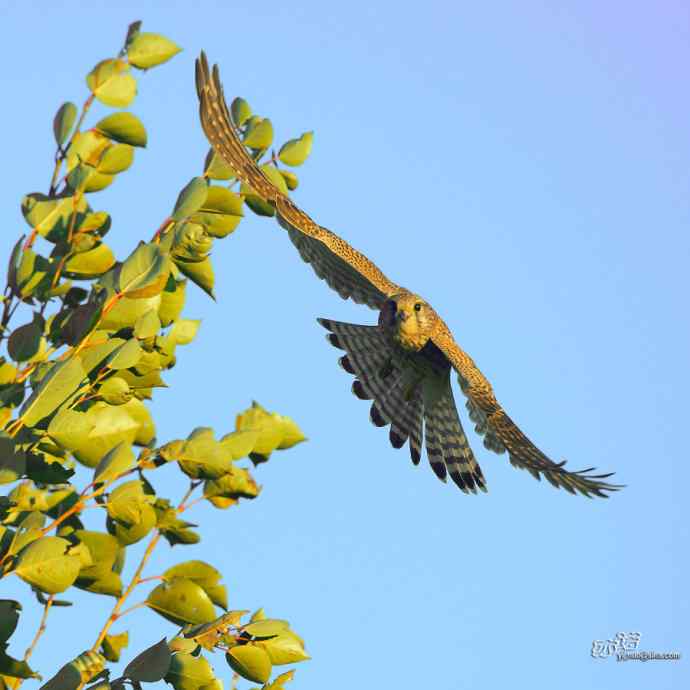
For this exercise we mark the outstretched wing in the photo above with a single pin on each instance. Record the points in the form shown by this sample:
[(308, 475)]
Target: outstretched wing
[(345, 269), (502, 434)]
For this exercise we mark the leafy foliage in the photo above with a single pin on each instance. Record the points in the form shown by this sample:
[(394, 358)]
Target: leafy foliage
[(88, 340)]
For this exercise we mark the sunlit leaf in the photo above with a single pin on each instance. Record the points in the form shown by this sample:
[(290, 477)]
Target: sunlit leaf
[(124, 128), (199, 272), (285, 648), (240, 111), (116, 461), (188, 672), (295, 151), (251, 662), (190, 199), (116, 159), (183, 331), (259, 135), (110, 82), (47, 565), (113, 645), (60, 382), (90, 264), (181, 601), (145, 272), (148, 50)]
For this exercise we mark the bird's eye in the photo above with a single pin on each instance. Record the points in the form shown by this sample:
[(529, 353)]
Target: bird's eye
[(418, 306)]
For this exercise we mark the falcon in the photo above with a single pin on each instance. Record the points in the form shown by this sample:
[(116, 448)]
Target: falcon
[(403, 363)]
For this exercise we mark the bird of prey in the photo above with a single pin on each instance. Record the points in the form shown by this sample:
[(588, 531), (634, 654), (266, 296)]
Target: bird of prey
[(402, 363)]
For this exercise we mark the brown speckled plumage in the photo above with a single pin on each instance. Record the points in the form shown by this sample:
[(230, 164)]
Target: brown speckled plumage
[(402, 364)]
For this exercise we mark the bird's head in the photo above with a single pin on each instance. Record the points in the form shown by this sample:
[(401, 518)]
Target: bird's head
[(410, 318)]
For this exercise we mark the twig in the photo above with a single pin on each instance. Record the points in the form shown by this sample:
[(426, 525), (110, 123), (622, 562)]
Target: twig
[(116, 613), (37, 636)]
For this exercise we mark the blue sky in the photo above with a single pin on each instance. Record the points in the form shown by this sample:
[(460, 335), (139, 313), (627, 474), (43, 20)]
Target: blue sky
[(524, 166)]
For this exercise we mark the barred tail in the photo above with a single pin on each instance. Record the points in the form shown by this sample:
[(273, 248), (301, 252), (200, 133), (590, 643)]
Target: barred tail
[(447, 446), (397, 397)]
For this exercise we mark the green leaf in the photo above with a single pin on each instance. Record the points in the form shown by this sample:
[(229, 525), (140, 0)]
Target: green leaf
[(172, 301), (221, 213), (268, 627), (115, 391), (279, 682), (184, 331), (145, 272), (147, 326), (176, 531), (142, 416), (273, 174), (204, 459), (110, 82), (188, 672), (116, 159), (126, 356), (109, 584), (295, 151), (111, 425), (131, 534), (285, 648), (133, 31), (91, 264), (50, 218), (251, 662), (14, 669), (275, 431), (113, 645), (290, 179), (256, 203), (206, 576), (61, 381), (215, 168), (70, 428), (181, 601), (258, 615), (259, 134), (24, 341), (12, 460), (190, 199), (127, 501), (46, 470), (124, 128), (9, 616), (240, 111), (199, 272), (67, 678), (63, 122), (151, 665), (116, 461), (47, 565), (240, 443), (81, 670), (104, 550), (148, 50), (225, 491)]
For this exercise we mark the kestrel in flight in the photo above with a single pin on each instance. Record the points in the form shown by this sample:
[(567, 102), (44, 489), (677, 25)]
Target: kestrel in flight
[(403, 363)]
